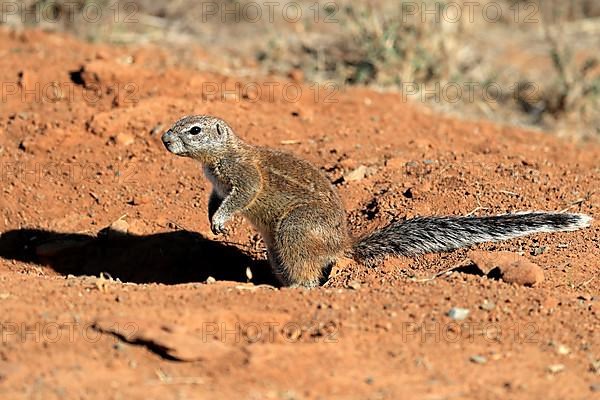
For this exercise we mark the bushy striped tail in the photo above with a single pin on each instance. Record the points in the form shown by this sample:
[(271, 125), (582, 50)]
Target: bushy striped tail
[(435, 234)]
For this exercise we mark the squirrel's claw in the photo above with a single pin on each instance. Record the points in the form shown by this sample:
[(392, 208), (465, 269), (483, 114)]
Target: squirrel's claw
[(217, 227)]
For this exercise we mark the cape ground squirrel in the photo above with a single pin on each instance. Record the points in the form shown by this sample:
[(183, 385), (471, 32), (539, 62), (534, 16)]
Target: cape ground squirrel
[(300, 215)]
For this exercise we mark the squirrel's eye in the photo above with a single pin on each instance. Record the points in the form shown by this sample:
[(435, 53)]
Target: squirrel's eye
[(195, 130)]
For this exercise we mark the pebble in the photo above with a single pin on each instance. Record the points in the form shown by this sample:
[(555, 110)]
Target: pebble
[(101, 55), (120, 226), (458, 314), (556, 368), (26, 80), (595, 387), (487, 305), (478, 359), (538, 251), (118, 346), (595, 366), (210, 280), (139, 200), (354, 285), (137, 227), (356, 174), (562, 350), (296, 74)]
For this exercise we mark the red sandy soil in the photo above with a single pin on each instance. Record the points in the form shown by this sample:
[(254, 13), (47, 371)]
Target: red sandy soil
[(91, 313)]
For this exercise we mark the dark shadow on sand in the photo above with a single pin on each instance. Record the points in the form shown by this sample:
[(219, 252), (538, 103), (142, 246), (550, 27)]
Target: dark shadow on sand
[(169, 258)]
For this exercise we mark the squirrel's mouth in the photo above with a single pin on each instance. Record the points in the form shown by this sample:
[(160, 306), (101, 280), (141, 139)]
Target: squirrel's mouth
[(176, 148), (173, 144)]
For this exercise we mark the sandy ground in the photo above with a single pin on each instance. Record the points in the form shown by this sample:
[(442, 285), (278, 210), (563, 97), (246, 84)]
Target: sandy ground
[(96, 313)]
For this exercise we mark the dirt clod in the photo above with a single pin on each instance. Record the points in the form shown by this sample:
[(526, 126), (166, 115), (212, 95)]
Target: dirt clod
[(124, 139), (510, 267)]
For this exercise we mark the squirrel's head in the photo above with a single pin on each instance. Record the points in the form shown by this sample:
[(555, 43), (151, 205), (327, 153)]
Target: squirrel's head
[(198, 136)]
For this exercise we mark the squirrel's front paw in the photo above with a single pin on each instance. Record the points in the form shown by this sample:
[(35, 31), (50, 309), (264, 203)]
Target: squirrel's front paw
[(217, 226)]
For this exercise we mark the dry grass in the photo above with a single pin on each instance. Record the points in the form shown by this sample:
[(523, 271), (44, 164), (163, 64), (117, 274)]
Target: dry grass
[(534, 65)]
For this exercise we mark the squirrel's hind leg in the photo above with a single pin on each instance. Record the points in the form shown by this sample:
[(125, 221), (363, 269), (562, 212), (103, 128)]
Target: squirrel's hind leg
[(298, 271), (305, 246)]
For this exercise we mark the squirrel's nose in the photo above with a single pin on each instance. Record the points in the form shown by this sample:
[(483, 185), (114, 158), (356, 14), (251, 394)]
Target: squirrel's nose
[(166, 137)]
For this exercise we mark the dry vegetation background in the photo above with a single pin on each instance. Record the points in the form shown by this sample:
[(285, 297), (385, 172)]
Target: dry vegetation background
[(530, 63)]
